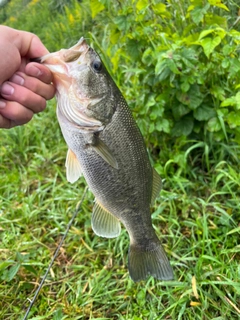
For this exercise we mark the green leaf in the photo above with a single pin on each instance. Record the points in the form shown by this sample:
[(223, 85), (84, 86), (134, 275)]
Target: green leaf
[(204, 33), (96, 7), (58, 315), (213, 19), (180, 110), (227, 50), (228, 102), (151, 127), (147, 56), (162, 71), (204, 113), (160, 66), (141, 298), (122, 22), (209, 44), (233, 119), (133, 49), (198, 13), (237, 101), (159, 8), (232, 101), (183, 127), (219, 4), (163, 125), (235, 65), (30, 268), (218, 92), (193, 98), (156, 111), (142, 4), (8, 275), (172, 66), (185, 86), (225, 63), (5, 264), (213, 125), (151, 101), (136, 318)]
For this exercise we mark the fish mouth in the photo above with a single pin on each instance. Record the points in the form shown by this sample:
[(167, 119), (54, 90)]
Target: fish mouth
[(59, 63), (56, 61)]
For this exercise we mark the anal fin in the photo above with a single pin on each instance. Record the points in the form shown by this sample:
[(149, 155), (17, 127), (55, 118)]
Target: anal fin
[(104, 224), (73, 168)]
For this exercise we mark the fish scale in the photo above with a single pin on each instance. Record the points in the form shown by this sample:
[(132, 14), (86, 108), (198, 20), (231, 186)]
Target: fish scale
[(106, 146)]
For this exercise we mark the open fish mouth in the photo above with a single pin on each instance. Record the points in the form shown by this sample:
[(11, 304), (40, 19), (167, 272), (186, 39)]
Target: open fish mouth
[(56, 61), (60, 63)]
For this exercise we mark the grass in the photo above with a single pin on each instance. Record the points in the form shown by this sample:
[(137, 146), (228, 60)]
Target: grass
[(197, 220)]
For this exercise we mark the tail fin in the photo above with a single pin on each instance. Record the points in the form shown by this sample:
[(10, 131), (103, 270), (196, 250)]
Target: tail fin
[(143, 262)]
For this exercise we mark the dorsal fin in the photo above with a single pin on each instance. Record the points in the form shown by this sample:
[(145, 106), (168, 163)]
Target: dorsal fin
[(104, 224), (73, 168)]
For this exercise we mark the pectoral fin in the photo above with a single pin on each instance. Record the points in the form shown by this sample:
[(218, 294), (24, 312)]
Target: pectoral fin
[(104, 224), (156, 186), (104, 152), (73, 167)]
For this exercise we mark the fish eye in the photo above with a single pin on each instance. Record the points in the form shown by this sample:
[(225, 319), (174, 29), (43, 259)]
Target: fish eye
[(97, 65)]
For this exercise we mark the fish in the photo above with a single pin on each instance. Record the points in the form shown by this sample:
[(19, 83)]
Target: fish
[(106, 146)]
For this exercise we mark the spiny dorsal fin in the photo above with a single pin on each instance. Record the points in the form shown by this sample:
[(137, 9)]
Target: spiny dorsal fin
[(104, 224), (73, 167), (104, 152), (156, 187)]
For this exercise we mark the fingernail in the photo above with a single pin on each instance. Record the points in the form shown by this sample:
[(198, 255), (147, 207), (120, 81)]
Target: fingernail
[(17, 79), (2, 104), (35, 72), (7, 89)]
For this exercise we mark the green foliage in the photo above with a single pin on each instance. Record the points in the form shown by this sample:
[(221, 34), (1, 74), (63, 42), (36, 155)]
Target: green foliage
[(184, 69), (182, 58)]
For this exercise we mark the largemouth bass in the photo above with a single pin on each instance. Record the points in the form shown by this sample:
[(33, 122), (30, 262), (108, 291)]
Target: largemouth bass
[(106, 146)]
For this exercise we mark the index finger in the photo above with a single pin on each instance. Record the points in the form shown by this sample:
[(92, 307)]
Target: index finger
[(27, 43)]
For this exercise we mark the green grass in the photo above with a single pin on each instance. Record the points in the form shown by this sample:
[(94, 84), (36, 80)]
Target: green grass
[(197, 218)]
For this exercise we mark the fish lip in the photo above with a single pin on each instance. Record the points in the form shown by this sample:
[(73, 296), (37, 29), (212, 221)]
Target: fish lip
[(80, 47), (57, 61)]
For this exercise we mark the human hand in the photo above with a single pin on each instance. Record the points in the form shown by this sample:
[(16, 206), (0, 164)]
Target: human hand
[(24, 86)]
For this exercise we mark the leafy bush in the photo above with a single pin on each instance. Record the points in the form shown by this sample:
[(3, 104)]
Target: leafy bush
[(177, 63), (185, 70)]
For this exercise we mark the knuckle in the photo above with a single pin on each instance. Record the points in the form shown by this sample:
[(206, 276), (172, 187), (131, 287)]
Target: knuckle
[(47, 75), (50, 92), (34, 86), (27, 117), (41, 105), (5, 123)]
